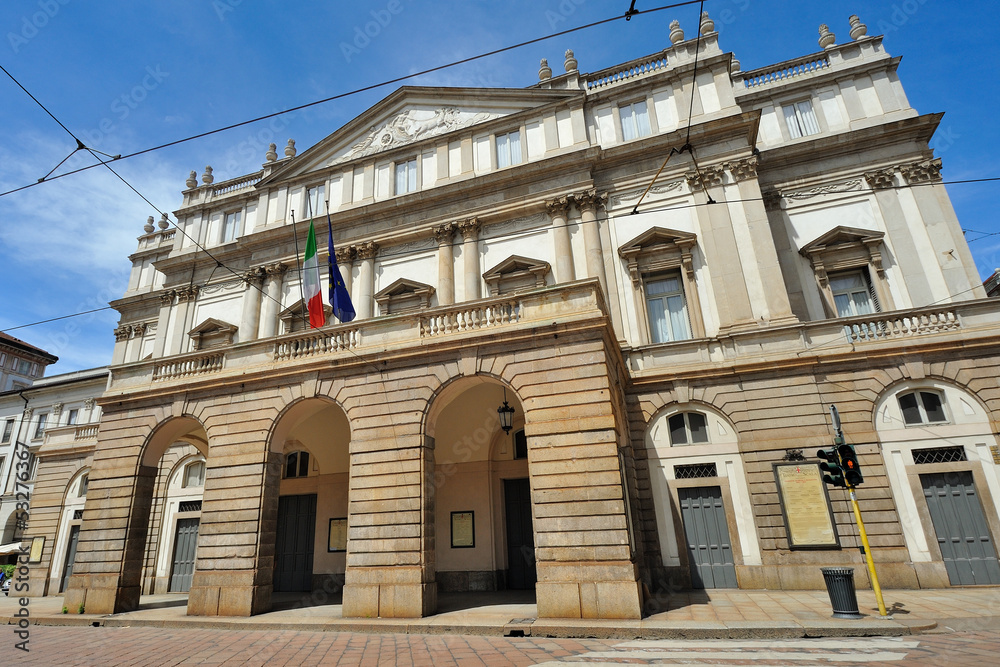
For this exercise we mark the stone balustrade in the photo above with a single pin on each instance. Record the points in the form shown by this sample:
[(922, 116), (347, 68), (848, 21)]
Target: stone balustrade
[(233, 185), (867, 328), (464, 318), (629, 71), (86, 432), (783, 71), (317, 341), (189, 365)]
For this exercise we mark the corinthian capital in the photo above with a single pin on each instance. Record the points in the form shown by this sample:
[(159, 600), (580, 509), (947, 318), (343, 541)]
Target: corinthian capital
[(558, 206), (254, 276), (345, 254), (366, 250), (469, 229), (922, 172), (275, 270), (589, 200), (444, 233), (880, 179), (743, 169)]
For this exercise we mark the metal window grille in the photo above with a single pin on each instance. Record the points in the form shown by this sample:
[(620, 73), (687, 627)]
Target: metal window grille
[(695, 471), (939, 455), (190, 506), (77, 514)]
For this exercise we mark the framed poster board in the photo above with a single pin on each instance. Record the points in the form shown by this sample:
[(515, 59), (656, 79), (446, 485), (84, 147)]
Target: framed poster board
[(338, 535), (463, 530), (35, 555), (805, 506)]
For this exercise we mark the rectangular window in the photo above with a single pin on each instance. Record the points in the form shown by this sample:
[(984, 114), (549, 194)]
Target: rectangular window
[(801, 119), (316, 201), (406, 176), (23, 367), (8, 429), (668, 317), (32, 466), (34, 370), (508, 149), (231, 226), (3, 459), (635, 120), (71, 419), (40, 426), (3, 359), (853, 294)]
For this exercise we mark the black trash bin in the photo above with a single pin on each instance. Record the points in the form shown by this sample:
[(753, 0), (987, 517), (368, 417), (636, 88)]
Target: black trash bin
[(840, 586)]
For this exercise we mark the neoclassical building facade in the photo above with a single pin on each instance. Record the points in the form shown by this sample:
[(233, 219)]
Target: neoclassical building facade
[(670, 304)]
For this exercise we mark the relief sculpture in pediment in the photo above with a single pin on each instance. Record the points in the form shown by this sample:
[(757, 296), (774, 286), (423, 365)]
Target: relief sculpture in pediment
[(410, 126)]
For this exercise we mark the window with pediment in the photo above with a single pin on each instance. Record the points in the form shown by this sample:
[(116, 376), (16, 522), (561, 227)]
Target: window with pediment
[(404, 296), (516, 274), (296, 317), (212, 333), (847, 263), (661, 266)]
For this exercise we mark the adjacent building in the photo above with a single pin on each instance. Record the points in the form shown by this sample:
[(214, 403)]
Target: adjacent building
[(670, 269)]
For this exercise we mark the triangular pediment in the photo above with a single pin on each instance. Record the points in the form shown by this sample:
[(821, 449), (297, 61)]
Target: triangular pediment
[(404, 287), (212, 325), (515, 264), (656, 237), (300, 310), (409, 116), (842, 236)]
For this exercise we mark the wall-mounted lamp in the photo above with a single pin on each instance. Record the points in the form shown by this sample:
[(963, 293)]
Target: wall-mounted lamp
[(506, 414)]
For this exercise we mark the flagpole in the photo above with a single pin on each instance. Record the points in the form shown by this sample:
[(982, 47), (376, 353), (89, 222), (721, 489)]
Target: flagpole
[(298, 263)]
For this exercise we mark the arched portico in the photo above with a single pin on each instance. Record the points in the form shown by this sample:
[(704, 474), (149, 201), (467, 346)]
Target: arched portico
[(113, 532)]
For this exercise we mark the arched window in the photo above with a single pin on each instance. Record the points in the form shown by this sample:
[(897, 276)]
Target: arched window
[(688, 428), (922, 407), (297, 465), (194, 474)]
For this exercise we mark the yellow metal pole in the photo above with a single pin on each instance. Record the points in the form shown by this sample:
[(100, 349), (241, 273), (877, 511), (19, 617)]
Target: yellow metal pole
[(868, 554)]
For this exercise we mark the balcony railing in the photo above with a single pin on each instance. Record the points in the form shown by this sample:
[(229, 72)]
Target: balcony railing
[(86, 432), (789, 69), (465, 318), (627, 72), (317, 342), (861, 330), (227, 187), (189, 365)]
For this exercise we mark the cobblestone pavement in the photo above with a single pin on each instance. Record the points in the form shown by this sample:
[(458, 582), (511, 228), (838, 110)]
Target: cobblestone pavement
[(156, 646)]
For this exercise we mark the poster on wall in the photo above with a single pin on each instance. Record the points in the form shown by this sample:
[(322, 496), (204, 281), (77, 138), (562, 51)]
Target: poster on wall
[(338, 535), (463, 530), (805, 506), (37, 544)]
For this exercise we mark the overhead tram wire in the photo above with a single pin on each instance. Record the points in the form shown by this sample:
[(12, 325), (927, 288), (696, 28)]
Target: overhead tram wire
[(350, 93)]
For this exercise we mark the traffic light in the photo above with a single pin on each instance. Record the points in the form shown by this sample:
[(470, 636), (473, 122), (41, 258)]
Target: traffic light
[(849, 464), (830, 466)]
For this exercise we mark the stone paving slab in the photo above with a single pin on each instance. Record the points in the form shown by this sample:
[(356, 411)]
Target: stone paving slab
[(717, 614)]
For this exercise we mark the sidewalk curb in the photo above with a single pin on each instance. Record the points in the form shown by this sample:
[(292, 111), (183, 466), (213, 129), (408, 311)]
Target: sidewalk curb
[(554, 628)]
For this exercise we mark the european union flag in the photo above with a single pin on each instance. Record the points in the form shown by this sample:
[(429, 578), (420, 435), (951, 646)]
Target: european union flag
[(340, 298)]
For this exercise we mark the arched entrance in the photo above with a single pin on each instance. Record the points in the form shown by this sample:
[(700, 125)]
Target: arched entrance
[(68, 535), (481, 490), (313, 436)]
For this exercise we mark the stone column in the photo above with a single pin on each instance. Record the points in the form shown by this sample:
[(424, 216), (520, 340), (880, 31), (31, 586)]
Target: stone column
[(345, 263), (250, 321), (588, 203), (160, 345), (366, 253), (470, 253), (136, 333), (445, 235), (764, 251), (186, 297), (121, 344), (272, 300), (558, 209)]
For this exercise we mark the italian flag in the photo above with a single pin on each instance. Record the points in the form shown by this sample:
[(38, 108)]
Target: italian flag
[(311, 285)]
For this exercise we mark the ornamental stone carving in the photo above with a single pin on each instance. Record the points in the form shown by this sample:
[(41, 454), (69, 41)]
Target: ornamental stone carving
[(122, 333), (192, 180), (28, 412), (707, 177), (558, 206), (275, 270), (410, 126), (922, 172), (345, 254), (167, 297), (188, 293), (880, 179), (57, 409), (444, 233), (469, 228), (148, 227), (254, 276), (743, 169), (590, 200), (89, 404), (207, 178), (772, 199), (366, 250)]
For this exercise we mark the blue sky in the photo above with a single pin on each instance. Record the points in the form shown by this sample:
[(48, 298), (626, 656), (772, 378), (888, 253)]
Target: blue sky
[(125, 76)]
